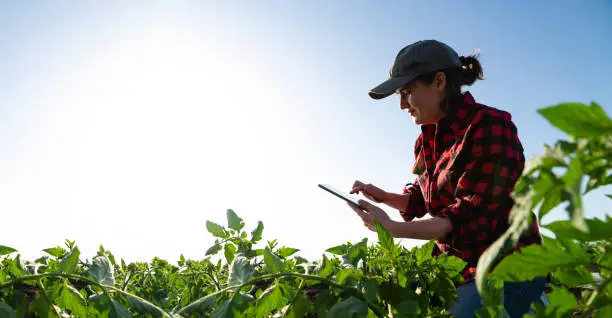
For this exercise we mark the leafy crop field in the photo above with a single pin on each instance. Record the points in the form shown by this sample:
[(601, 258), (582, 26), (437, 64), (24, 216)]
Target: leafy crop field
[(263, 278)]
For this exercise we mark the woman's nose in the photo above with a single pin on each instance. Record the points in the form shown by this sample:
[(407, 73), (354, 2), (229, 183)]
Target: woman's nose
[(403, 102)]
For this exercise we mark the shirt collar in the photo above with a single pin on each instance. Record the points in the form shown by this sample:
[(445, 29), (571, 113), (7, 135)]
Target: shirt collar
[(456, 116)]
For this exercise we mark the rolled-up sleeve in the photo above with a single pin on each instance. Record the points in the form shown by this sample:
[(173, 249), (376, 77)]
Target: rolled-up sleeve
[(483, 194), (416, 204), (415, 208)]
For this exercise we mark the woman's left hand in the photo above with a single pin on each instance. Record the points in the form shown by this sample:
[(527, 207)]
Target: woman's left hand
[(370, 213)]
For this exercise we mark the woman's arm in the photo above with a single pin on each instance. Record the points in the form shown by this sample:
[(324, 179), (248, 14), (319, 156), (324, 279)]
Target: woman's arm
[(427, 229), (397, 201)]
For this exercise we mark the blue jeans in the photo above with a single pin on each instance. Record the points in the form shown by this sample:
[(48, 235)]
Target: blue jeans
[(518, 297)]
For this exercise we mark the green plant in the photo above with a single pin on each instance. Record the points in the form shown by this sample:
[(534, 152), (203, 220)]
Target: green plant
[(252, 278), (352, 279), (563, 174)]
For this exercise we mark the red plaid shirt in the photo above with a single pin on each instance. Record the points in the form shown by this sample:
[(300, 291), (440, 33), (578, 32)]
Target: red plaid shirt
[(467, 166)]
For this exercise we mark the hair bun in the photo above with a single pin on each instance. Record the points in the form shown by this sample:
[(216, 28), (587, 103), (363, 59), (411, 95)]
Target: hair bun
[(471, 69)]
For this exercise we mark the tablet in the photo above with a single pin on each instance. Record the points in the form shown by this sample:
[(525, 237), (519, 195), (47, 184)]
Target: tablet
[(341, 195)]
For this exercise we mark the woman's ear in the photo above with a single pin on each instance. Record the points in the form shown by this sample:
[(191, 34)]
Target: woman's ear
[(440, 81)]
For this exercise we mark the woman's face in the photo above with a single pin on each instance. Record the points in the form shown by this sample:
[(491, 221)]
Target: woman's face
[(422, 100)]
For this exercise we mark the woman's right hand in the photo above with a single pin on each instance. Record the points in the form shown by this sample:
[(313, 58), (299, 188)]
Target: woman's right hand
[(370, 191)]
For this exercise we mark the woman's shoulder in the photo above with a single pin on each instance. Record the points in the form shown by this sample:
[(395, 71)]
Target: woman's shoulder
[(492, 120), (486, 113)]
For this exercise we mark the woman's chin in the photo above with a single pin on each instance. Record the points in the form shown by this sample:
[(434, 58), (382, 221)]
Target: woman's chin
[(422, 121)]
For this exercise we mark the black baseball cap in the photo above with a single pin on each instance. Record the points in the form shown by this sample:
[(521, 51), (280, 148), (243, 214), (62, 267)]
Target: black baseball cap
[(414, 60)]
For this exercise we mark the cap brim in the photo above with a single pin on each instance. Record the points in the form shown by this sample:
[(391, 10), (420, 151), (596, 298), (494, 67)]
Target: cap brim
[(388, 87)]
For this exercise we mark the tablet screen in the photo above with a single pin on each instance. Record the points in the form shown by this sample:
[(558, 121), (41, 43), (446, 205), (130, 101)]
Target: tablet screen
[(340, 194)]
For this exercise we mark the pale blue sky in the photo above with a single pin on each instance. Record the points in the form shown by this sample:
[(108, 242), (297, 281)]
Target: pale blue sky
[(131, 124)]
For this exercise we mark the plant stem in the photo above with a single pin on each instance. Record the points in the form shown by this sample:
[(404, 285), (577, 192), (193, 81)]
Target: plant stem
[(600, 289), (83, 279), (377, 310), (44, 294), (127, 280), (296, 295)]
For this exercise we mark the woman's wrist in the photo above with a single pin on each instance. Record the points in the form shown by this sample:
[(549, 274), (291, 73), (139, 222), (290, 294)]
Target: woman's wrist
[(396, 201), (391, 227)]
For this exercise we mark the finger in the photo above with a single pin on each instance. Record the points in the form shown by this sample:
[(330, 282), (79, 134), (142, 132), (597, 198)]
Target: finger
[(369, 226), (359, 212), (366, 205), (356, 209), (358, 186)]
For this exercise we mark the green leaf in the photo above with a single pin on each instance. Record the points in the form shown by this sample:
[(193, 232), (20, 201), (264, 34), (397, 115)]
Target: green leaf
[(357, 252), (143, 306), (233, 221), (597, 230), (216, 229), (256, 234), (350, 307), (574, 172), (494, 293), (371, 290), (338, 250), (521, 217), (213, 250), (572, 181), (102, 271), (70, 298), (271, 299), (408, 308), (285, 252), (245, 304), (492, 312), (604, 312), (325, 267), (578, 120), (385, 239), (609, 196), (535, 260), (273, 263), (553, 198), (69, 262), (41, 307), (451, 264), (445, 288), (240, 270), (226, 310), (5, 250), (348, 273), (54, 287), (16, 267), (598, 111), (562, 304), (118, 311), (572, 277), (56, 252), (200, 306), (7, 311), (567, 147), (299, 308), (490, 256), (423, 252), (230, 251), (100, 305)]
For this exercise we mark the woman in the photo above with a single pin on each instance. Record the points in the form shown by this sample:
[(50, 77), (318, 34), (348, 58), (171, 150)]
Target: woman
[(468, 158)]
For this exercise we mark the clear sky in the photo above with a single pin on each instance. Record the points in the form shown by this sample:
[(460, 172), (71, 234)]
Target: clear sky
[(129, 124)]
